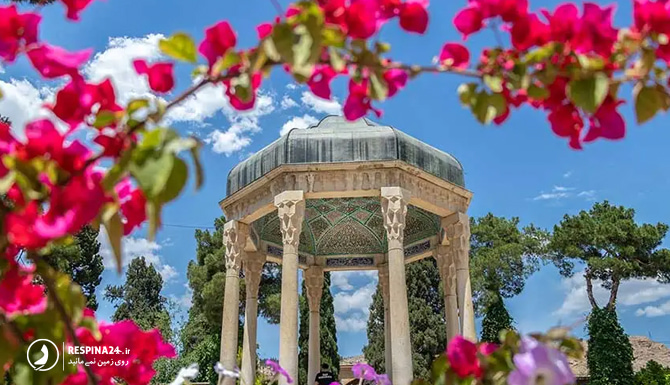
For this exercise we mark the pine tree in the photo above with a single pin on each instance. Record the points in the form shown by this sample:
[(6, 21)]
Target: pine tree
[(139, 298), (82, 261), (328, 332), (426, 319), (496, 319)]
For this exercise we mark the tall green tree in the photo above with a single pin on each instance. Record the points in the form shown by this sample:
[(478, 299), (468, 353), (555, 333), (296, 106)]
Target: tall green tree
[(502, 257), (328, 332), (426, 319), (82, 261), (139, 298), (653, 373), (612, 247)]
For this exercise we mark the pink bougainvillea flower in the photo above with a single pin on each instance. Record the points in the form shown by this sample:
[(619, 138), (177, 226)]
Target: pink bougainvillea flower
[(469, 20), (454, 55), (53, 62), (75, 101), (134, 211), (319, 82), (144, 347), (74, 7), (361, 20), (596, 33), (567, 123), (264, 30), (487, 348), (219, 38), (563, 23), (279, 370), (528, 32), (17, 30), (414, 17), (651, 15), (19, 225), (242, 104), (18, 294), (607, 122), (358, 102), (396, 79), (462, 356), (161, 75)]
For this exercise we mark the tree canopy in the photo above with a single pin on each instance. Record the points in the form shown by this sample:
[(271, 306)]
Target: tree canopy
[(612, 246), (82, 261), (139, 298), (502, 257)]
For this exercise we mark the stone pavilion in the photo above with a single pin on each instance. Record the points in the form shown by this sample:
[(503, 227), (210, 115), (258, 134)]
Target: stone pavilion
[(343, 196)]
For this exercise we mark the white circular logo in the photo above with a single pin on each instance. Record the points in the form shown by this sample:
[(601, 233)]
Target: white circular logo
[(40, 363)]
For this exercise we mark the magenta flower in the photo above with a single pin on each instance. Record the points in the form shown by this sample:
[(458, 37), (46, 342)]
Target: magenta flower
[(537, 361), (279, 370), (364, 371)]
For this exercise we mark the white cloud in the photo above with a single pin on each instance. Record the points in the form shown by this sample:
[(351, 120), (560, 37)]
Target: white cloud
[(300, 122), (631, 293), (134, 247), (340, 279), (116, 63), (287, 102), (318, 105), (654, 311), (291, 86), (356, 301), (562, 192), (567, 174), (22, 102), (185, 300), (354, 323)]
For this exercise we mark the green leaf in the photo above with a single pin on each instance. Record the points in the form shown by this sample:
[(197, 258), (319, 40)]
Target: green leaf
[(179, 46), (648, 101), (115, 173), (537, 93), (541, 54), (176, 181), (333, 37), (378, 87), (114, 226), (153, 174), (591, 63), (228, 60), (199, 174), (487, 107), (104, 119), (302, 52), (154, 215), (136, 104), (495, 83), (466, 93), (589, 93), (336, 60), (282, 37)]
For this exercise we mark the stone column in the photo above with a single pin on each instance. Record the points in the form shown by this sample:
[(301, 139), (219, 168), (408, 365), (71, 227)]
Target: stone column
[(394, 208), (253, 267), (314, 285), (234, 238), (445, 263), (457, 227), (384, 282), (291, 210)]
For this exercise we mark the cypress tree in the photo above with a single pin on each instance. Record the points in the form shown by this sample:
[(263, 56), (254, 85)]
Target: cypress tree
[(328, 332), (496, 319)]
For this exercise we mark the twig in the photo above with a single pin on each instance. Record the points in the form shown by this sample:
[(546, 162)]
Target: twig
[(12, 328), (278, 7), (496, 33)]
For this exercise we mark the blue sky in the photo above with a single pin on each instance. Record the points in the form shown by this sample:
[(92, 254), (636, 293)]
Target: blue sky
[(520, 169)]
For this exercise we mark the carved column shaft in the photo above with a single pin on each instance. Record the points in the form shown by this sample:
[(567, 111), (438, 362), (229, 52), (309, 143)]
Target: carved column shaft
[(388, 353), (234, 238), (253, 267), (394, 209), (445, 263), (291, 210), (314, 285), (457, 227)]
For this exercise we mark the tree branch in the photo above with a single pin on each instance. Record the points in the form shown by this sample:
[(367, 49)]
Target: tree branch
[(589, 289), (614, 291)]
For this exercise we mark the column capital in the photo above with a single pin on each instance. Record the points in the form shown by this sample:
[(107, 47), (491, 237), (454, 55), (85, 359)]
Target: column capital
[(394, 208), (291, 211), (253, 267), (234, 238), (314, 284), (444, 256), (457, 231)]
